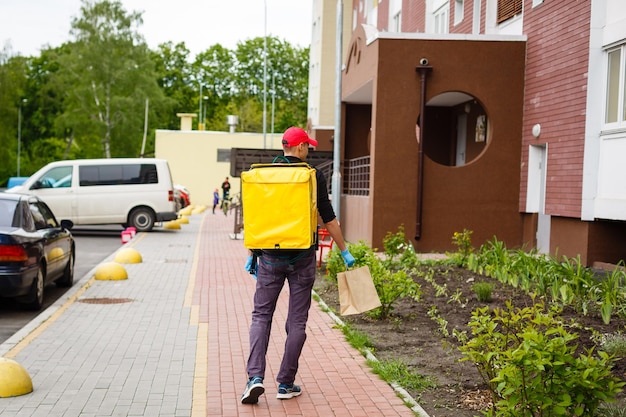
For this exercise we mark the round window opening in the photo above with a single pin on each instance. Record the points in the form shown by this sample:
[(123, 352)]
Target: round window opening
[(456, 129)]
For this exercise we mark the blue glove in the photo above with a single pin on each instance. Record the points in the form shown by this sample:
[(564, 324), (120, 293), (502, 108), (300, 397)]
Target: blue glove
[(249, 265), (347, 257)]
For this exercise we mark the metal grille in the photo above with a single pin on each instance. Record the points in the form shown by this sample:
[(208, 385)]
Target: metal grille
[(357, 176), (327, 169)]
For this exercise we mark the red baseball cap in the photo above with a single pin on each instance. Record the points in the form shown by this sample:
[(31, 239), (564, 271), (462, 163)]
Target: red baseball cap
[(295, 136)]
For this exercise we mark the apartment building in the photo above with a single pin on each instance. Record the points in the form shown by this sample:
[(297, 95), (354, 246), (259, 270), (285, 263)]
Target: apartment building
[(504, 117)]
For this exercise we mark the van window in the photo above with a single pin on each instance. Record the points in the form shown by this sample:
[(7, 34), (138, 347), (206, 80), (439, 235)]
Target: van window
[(58, 177), (121, 174)]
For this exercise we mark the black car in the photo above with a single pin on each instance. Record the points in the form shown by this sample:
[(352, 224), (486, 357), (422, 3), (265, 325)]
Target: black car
[(34, 249)]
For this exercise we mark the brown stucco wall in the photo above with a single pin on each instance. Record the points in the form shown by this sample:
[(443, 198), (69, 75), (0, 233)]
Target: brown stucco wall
[(572, 236), (481, 196), (606, 242), (529, 233), (324, 138)]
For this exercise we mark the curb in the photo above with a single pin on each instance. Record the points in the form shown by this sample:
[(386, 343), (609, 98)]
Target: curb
[(402, 393), (68, 297)]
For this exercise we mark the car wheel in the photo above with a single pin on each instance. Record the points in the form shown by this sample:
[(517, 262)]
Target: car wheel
[(36, 293), (142, 219), (67, 280)]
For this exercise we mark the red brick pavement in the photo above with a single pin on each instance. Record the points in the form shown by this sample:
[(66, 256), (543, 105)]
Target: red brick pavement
[(334, 376)]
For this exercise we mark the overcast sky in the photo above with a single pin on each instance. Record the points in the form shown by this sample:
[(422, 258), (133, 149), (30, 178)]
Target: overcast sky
[(27, 25)]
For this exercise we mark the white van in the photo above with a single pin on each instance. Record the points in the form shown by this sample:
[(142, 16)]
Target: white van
[(131, 191)]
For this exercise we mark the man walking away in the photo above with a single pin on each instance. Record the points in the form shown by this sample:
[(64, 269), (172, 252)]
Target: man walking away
[(298, 267)]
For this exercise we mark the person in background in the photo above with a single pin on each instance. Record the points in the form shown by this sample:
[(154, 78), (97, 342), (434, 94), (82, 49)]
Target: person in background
[(216, 199), (225, 189), (298, 267)]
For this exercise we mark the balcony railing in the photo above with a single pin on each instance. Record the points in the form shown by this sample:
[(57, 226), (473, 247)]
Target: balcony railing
[(356, 175)]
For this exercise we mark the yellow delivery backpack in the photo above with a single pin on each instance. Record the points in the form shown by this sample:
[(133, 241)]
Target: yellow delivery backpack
[(279, 206)]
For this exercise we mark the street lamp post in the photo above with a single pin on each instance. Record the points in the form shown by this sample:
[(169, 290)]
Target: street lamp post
[(204, 99), (19, 134), (200, 124), (273, 104), (265, 78), (336, 176)]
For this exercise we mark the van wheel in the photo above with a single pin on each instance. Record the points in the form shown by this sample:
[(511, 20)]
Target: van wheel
[(141, 219)]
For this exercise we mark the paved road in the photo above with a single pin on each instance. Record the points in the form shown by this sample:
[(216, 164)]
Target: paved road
[(93, 244)]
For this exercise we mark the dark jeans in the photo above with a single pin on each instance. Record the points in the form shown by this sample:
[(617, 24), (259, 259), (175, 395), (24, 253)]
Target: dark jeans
[(271, 274)]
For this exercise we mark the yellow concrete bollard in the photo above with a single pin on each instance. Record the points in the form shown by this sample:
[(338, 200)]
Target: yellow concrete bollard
[(128, 256), (183, 220), (198, 210), (186, 211), (14, 380), (171, 225), (111, 271)]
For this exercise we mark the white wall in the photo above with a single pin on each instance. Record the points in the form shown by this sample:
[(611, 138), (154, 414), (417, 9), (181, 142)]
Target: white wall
[(604, 189)]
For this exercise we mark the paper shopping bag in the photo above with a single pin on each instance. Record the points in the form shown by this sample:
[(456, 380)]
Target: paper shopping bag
[(357, 293)]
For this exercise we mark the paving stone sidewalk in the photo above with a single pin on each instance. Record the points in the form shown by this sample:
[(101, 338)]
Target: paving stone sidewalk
[(172, 341)]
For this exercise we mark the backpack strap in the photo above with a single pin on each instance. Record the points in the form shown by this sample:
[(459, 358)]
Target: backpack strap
[(281, 157)]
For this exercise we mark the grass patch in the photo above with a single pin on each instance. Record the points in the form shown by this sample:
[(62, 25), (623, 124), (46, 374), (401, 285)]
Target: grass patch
[(357, 339), (614, 344), (483, 291), (397, 371)]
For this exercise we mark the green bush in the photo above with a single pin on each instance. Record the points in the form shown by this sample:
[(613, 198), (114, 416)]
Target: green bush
[(363, 255), (483, 291), (614, 344), (392, 275), (528, 359), (391, 286), (463, 242)]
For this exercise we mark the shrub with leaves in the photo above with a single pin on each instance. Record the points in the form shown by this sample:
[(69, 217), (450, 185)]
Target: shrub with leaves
[(399, 253), (391, 275), (363, 255), (483, 291), (463, 242), (528, 358), (391, 286)]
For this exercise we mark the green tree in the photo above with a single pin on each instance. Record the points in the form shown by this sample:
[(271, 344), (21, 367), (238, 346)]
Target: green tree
[(87, 98), (12, 92), (111, 75), (44, 140), (213, 69), (173, 72), (286, 83)]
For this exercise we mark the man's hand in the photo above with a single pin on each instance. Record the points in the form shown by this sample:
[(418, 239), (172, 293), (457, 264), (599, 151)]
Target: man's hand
[(249, 266), (347, 257)]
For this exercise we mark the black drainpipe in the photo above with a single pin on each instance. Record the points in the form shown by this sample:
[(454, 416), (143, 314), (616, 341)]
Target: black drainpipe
[(423, 70)]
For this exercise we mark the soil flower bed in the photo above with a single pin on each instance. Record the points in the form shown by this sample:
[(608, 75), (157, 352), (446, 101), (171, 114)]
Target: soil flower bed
[(420, 334)]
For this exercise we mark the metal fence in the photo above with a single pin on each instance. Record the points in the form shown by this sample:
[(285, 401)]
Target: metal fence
[(356, 175), (238, 209)]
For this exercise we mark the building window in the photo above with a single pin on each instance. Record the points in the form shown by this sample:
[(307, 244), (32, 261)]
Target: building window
[(441, 18), (396, 22), (371, 12), (508, 9), (223, 155), (459, 10), (395, 16), (537, 2), (615, 112)]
